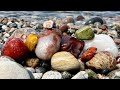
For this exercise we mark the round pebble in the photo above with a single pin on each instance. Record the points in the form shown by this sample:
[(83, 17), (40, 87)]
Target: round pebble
[(37, 75), (52, 75)]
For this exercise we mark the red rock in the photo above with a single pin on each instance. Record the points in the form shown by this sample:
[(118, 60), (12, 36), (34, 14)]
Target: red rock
[(15, 48)]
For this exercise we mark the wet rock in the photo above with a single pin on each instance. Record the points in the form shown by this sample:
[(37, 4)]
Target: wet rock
[(32, 62), (113, 34), (84, 33), (58, 22), (52, 75), (63, 27), (37, 75), (48, 24), (4, 21), (80, 18), (103, 43), (94, 20), (102, 60), (64, 61), (68, 19), (81, 75)]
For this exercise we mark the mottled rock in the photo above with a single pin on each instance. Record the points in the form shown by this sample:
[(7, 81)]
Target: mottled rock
[(52, 75), (80, 17), (81, 75), (102, 60), (64, 61), (84, 33), (32, 62)]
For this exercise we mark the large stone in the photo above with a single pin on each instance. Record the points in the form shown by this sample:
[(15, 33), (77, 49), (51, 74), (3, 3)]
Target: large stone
[(12, 70), (84, 33), (103, 43), (64, 61)]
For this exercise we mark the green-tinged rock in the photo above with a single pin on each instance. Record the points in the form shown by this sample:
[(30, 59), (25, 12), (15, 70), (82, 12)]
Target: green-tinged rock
[(91, 74), (84, 33)]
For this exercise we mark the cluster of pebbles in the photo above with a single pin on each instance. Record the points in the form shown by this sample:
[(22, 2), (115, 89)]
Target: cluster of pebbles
[(58, 48)]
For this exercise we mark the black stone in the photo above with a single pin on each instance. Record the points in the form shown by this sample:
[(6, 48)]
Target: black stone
[(93, 20)]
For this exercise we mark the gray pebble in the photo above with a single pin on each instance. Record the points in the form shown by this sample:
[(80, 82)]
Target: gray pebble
[(30, 69), (40, 70), (66, 75), (52, 75), (37, 75), (81, 75)]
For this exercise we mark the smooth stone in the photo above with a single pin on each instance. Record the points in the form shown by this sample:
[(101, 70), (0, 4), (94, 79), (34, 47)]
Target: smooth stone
[(84, 33), (30, 69), (40, 70), (115, 74), (6, 58), (12, 70), (103, 43), (94, 20), (4, 27), (64, 61), (37, 75), (6, 35), (81, 75), (52, 75)]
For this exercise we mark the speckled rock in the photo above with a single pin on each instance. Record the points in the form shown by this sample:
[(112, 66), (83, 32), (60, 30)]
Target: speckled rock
[(103, 43), (64, 61), (102, 60), (12, 70), (81, 75), (32, 70), (52, 75), (115, 74), (84, 33), (37, 75), (66, 75), (32, 62)]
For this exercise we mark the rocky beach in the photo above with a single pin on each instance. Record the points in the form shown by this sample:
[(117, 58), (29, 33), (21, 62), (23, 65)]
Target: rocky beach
[(59, 44)]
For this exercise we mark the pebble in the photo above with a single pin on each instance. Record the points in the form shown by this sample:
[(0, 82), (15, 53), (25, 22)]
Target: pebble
[(32, 70), (94, 20), (91, 74), (81, 75), (66, 75), (115, 74), (80, 18), (52, 75), (32, 62), (102, 60), (12, 25), (64, 61), (40, 70), (103, 43), (12, 70), (85, 33), (37, 75), (113, 34)]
